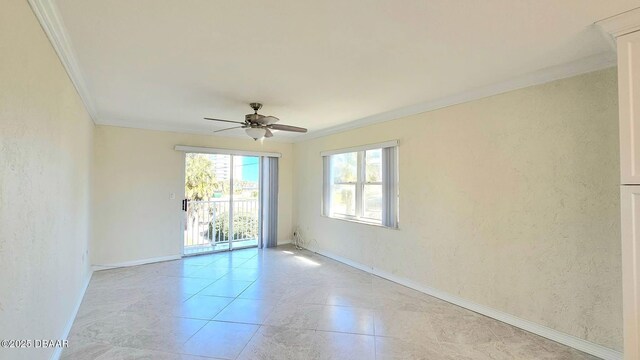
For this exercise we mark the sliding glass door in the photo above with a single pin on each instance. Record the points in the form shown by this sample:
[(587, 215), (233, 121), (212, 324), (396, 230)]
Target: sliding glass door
[(222, 205), (245, 202)]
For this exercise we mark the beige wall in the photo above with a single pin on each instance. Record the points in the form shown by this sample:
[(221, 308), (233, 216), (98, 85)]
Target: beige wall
[(46, 141), (509, 201), (136, 171)]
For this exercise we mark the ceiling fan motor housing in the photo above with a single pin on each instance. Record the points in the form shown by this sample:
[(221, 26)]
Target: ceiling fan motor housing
[(252, 118)]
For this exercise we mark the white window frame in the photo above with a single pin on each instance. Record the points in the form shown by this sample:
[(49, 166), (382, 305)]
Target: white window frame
[(362, 182), (359, 183), (332, 184)]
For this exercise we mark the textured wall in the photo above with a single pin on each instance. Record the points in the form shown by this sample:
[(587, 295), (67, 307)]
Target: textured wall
[(45, 160), (509, 201), (136, 170)]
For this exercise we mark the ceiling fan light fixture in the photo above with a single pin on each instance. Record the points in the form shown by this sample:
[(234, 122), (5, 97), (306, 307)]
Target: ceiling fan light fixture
[(255, 132)]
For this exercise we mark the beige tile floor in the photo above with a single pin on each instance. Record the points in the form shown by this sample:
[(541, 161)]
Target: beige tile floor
[(281, 304)]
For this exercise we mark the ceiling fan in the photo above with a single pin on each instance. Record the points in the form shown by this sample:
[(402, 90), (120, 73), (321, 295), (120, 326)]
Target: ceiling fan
[(258, 126)]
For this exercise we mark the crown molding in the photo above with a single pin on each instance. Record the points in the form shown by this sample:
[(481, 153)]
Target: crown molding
[(586, 65), (176, 128), (621, 24), (47, 13)]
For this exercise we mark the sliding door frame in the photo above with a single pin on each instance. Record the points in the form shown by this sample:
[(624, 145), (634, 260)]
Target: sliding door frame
[(231, 178), (209, 150)]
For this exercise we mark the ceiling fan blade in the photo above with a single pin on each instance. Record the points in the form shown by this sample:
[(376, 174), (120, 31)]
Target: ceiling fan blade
[(287, 128), (231, 128), (268, 134), (268, 120), (229, 121)]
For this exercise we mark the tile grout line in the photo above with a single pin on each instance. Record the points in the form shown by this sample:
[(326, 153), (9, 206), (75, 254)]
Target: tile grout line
[(219, 311), (234, 299), (251, 338)]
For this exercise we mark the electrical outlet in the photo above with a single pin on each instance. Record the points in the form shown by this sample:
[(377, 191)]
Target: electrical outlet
[(172, 196)]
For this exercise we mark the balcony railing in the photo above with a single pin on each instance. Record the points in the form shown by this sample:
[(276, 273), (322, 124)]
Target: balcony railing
[(208, 226)]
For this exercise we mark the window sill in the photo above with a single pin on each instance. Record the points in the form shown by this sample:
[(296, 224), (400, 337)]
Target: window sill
[(362, 222)]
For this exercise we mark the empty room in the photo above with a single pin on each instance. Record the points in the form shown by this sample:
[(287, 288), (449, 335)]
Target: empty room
[(357, 179)]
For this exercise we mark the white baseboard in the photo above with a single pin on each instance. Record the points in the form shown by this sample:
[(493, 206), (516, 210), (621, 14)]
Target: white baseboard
[(98, 267), (67, 329), (284, 241), (555, 335)]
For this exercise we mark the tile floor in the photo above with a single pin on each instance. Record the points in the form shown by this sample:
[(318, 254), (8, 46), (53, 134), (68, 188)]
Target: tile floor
[(281, 304)]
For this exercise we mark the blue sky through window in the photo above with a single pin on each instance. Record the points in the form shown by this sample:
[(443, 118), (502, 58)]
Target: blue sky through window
[(250, 168)]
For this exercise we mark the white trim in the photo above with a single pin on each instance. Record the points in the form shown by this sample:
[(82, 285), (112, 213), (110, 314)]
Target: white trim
[(386, 144), (50, 20), (208, 150), (47, 13), (621, 24), (98, 267), (555, 335), (361, 222), (67, 329), (183, 129), (586, 65), (629, 196)]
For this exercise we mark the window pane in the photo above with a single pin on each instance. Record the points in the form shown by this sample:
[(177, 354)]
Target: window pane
[(373, 168), (372, 199), (344, 167), (343, 200)]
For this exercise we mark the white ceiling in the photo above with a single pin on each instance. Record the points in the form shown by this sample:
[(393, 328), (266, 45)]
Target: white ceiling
[(317, 64)]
